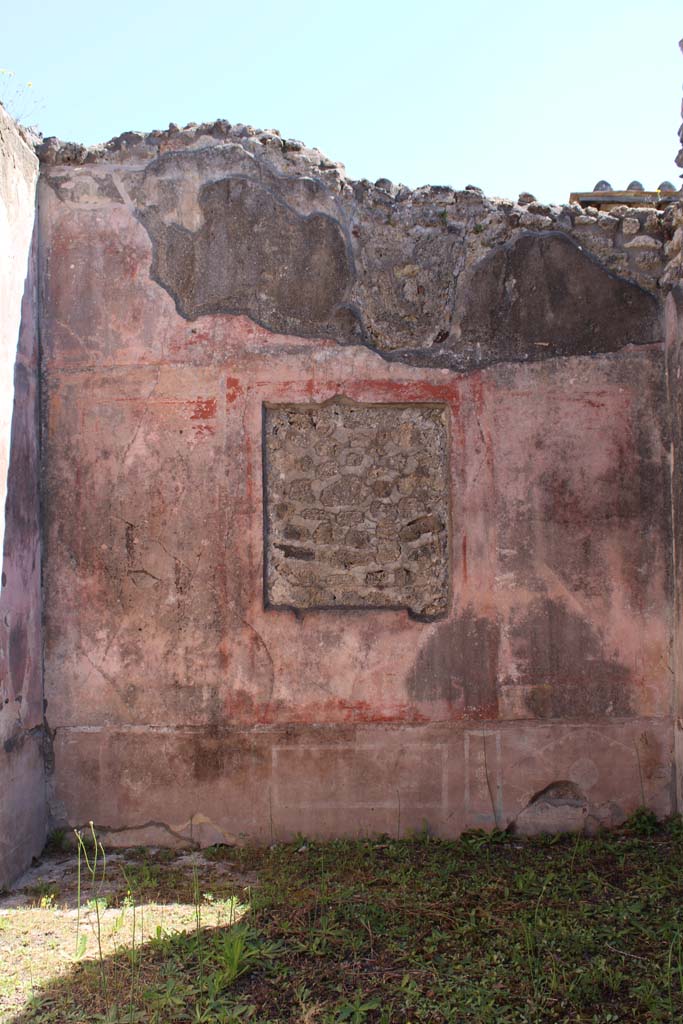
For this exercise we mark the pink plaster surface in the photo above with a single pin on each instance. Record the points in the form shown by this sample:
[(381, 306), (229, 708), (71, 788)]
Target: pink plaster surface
[(556, 645)]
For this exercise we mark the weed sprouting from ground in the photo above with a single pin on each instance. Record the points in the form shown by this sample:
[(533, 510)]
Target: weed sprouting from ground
[(487, 929), (643, 822), (96, 866)]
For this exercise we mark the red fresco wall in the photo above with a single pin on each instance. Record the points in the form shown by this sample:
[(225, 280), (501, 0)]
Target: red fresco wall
[(184, 710)]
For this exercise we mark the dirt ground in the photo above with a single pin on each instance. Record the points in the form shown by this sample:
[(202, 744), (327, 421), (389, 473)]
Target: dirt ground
[(139, 894)]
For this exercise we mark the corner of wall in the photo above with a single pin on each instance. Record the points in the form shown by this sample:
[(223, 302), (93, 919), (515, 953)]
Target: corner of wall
[(674, 372), (23, 816)]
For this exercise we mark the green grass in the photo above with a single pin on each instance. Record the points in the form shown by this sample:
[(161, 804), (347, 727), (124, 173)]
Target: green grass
[(485, 929)]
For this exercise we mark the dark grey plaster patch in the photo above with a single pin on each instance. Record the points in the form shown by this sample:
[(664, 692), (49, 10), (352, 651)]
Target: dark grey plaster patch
[(255, 255), (74, 189), (18, 654), (563, 667), (459, 662), (542, 295)]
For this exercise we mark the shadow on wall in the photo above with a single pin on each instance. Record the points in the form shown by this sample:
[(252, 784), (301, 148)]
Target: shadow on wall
[(23, 815), (562, 671)]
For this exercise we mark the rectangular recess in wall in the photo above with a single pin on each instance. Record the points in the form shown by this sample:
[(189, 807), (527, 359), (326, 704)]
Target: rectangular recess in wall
[(356, 506)]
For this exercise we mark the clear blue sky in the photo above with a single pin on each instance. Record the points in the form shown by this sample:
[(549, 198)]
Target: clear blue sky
[(539, 96)]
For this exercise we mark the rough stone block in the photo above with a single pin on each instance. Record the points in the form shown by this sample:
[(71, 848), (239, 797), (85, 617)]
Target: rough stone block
[(357, 507)]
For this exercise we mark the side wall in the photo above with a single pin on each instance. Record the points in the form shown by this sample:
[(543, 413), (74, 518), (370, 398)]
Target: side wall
[(357, 502), (23, 813), (674, 338)]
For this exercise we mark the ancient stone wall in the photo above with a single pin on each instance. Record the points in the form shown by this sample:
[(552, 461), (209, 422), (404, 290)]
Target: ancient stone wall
[(672, 280), (357, 500), (356, 507), (673, 249), (23, 816), (674, 344)]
